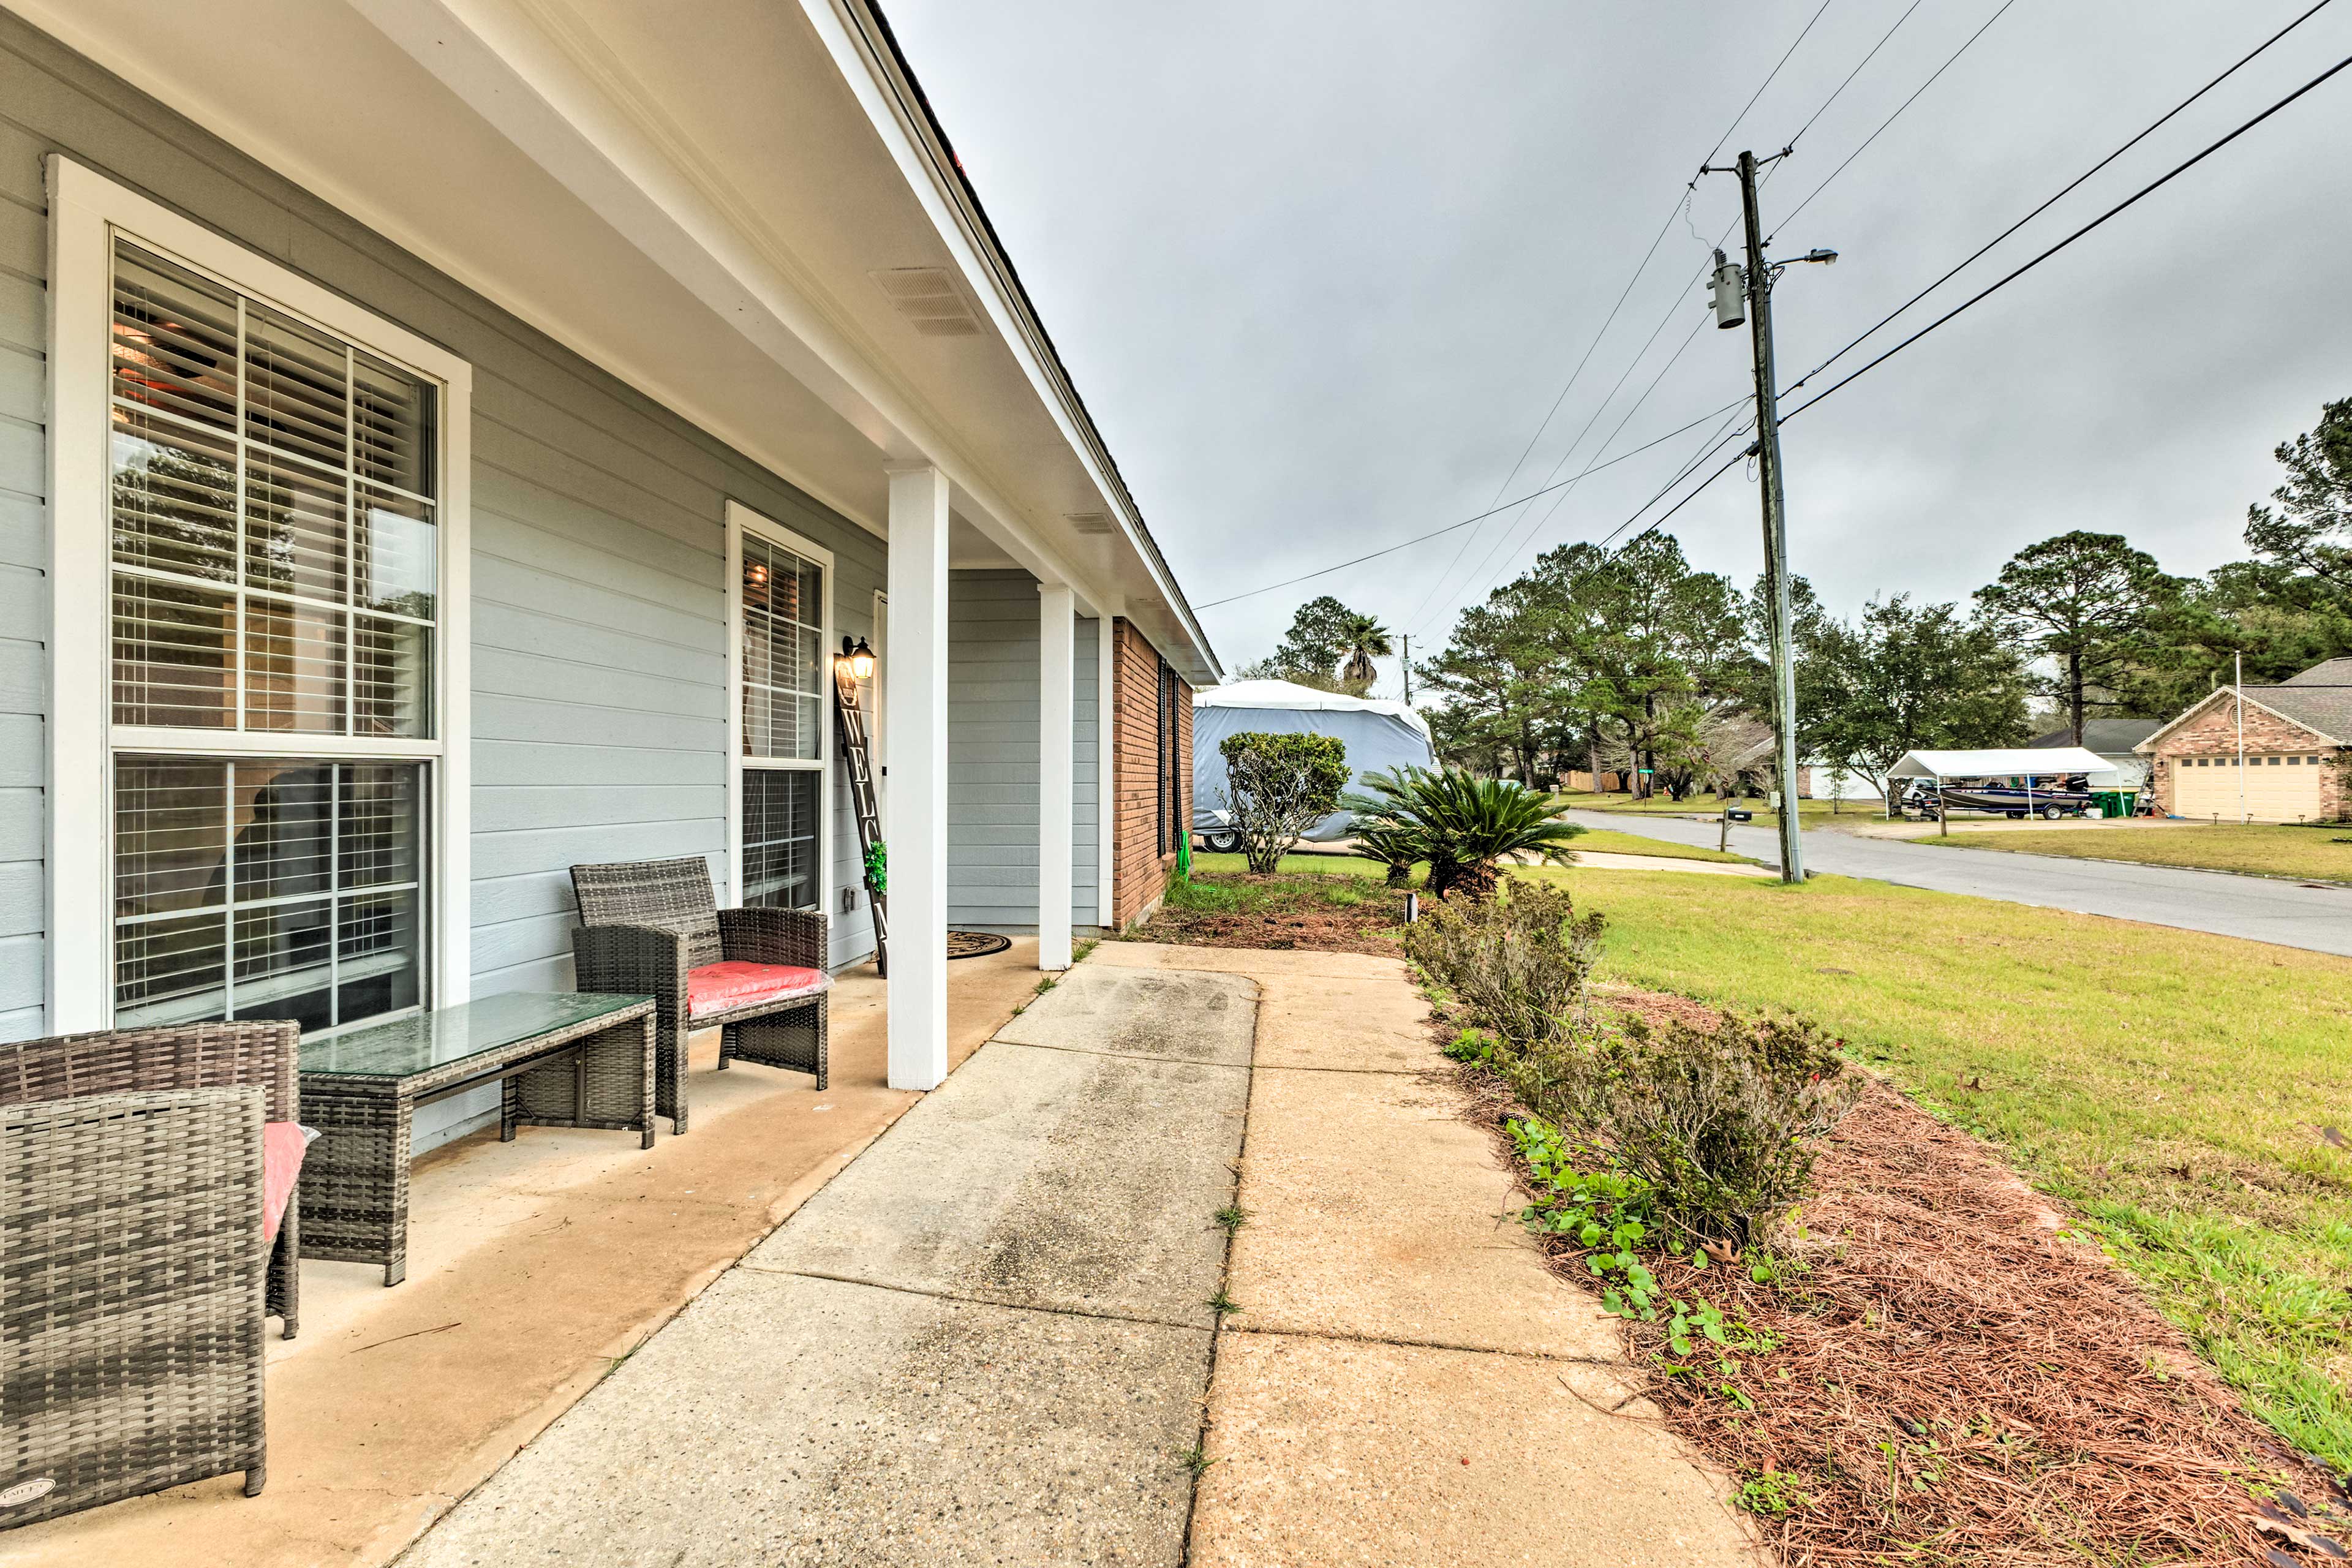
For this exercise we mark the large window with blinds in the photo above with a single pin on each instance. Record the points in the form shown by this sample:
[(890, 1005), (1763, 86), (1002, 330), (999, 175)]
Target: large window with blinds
[(782, 684), (274, 569)]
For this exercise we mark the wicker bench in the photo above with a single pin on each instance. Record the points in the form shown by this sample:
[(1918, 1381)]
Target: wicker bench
[(560, 1059), (134, 1280), (646, 925)]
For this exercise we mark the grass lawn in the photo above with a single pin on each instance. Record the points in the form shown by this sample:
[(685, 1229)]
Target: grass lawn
[(1600, 840), (1708, 805), (2190, 1094), (2320, 853)]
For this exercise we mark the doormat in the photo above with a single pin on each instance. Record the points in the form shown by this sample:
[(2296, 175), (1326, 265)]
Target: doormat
[(975, 943)]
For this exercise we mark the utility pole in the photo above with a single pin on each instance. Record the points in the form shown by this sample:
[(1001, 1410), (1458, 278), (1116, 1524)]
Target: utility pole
[(1408, 669), (1759, 313), (2238, 680)]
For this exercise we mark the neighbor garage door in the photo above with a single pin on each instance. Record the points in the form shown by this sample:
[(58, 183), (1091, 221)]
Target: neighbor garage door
[(2277, 788)]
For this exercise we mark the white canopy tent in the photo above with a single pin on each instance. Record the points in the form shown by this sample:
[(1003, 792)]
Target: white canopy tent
[(1380, 734), (2026, 768), (2002, 762)]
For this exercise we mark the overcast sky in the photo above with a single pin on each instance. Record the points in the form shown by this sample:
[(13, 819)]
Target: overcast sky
[(1320, 269)]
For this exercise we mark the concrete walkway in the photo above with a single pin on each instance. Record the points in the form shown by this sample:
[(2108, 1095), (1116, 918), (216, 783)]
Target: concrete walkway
[(986, 1341), (2259, 908), (990, 1340), (1406, 1382)]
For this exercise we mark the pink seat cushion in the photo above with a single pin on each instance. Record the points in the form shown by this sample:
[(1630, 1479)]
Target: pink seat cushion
[(283, 1145), (723, 987)]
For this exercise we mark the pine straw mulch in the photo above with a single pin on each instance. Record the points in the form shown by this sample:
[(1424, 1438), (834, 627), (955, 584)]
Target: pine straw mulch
[(1960, 1380)]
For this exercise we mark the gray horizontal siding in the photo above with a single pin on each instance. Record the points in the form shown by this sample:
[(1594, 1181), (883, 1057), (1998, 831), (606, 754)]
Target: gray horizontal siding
[(993, 791), (598, 547), (24, 582)]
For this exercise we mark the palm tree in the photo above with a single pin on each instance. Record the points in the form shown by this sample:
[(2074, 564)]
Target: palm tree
[(1362, 639)]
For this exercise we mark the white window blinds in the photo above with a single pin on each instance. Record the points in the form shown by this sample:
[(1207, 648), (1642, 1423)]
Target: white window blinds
[(273, 518)]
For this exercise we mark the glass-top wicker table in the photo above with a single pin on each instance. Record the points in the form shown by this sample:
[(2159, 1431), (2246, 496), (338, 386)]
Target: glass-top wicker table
[(561, 1060)]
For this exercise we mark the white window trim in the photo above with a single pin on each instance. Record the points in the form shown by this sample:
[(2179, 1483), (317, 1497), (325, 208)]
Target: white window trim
[(740, 520), (86, 212)]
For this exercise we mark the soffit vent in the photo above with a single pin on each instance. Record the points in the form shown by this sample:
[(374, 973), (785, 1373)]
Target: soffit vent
[(930, 300), (1088, 521)]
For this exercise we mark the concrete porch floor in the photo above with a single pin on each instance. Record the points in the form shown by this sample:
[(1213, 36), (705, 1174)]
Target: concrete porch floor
[(535, 1268)]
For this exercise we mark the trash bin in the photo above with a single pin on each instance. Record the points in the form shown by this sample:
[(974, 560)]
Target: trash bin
[(2114, 802)]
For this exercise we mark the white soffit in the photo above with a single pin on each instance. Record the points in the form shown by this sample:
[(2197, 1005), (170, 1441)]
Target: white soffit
[(508, 144)]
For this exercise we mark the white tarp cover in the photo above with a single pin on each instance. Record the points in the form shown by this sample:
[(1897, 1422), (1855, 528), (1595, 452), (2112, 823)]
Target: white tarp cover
[(1380, 734), (2001, 761)]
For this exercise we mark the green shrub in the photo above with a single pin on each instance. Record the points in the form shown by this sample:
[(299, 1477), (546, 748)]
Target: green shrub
[(1278, 786), (1464, 826), (1471, 1045), (1517, 964), (1715, 1125)]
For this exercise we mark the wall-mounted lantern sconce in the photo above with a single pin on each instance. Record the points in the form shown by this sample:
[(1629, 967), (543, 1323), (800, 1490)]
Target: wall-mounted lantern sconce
[(859, 657)]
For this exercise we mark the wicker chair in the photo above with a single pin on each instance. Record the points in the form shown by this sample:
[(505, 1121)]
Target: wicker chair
[(644, 924), (265, 1055), (133, 1284)]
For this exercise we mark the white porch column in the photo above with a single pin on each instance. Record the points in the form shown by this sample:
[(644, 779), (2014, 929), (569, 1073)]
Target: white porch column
[(1057, 715), (916, 721)]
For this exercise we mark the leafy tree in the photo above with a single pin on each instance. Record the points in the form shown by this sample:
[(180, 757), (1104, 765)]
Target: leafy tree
[(1906, 677), (2311, 531), (1585, 652), (2087, 602), (1506, 684), (1323, 632), (1278, 786)]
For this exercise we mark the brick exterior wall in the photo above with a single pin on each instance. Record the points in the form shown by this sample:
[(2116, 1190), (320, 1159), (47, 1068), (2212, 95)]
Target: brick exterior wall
[(2213, 732), (1139, 870)]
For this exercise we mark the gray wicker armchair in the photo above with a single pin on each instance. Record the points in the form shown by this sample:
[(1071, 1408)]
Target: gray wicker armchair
[(648, 926), (133, 1281)]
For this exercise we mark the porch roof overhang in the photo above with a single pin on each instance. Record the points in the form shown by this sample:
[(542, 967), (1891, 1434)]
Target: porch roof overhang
[(707, 201)]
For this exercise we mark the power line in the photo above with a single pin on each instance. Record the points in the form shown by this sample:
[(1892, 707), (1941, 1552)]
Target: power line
[(2158, 183), (1418, 619), (2166, 178), (1841, 87), (1899, 108), (1638, 271), (1465, 522), (2060, 195), (1760, 92), (2153, 185), (1536, 525)]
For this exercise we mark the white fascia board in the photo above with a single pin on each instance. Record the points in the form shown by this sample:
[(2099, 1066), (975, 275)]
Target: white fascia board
[(860, 63), (543, 92)]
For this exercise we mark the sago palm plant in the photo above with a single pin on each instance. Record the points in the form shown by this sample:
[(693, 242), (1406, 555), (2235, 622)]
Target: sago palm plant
[(1465, 827)]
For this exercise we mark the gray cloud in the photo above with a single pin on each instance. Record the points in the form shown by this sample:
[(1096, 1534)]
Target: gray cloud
[(1319, 270)]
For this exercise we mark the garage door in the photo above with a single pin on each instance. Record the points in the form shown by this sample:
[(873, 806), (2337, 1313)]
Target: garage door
[(2278, 788)]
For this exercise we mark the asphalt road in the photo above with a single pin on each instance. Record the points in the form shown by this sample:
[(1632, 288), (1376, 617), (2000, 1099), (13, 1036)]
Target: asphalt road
[(2258, 908)]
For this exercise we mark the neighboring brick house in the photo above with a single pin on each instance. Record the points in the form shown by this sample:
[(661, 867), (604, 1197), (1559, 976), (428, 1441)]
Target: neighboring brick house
[(2297, 744), (1151, 743)]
